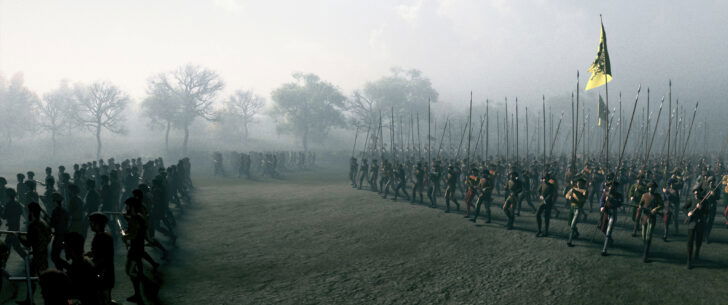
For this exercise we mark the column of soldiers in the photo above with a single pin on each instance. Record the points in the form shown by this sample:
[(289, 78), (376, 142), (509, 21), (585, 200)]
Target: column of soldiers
[(594, 188), (264, 164), (127, 202)]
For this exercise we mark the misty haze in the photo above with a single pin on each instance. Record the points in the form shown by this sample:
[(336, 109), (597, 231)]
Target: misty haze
[(363, 152)]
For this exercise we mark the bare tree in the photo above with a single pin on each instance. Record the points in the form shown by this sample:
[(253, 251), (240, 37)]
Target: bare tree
[(161, 108), (194, 89), (101, 106), (55, 112), (242, 107), (16, 103)]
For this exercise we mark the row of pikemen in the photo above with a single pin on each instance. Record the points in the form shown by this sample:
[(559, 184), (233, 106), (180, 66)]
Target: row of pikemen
[(645, 200), (132, 199), (263, 164)]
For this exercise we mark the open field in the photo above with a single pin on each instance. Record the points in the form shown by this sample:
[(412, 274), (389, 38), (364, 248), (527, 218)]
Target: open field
[(312, 239)]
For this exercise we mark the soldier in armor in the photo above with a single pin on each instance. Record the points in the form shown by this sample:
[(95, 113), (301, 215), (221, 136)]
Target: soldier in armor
[(433, 177), (576, 196), (548, 192), (363, 172), (697, 212), (451, 181), (635, 194), (485, 188), (650, 204), (419, 185), (513, 187), (471, 183), (609, 204)]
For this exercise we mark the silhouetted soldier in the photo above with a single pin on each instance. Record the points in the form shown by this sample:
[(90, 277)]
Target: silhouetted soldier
[(102, 255), (84, 279), (12, 213), (59, 227), (363, 172), (37, 238), (419, 185), (55, 286), (485, 188), (451, 184), (514, 187)]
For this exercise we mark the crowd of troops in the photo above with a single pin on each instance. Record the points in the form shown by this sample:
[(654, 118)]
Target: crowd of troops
[(647, 193), (119, 203), (263, 164)]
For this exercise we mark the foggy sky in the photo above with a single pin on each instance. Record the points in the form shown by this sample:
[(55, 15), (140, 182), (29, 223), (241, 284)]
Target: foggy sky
[(496, 48)]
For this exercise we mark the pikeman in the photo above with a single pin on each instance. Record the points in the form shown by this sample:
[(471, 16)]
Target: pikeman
[(650, 204), (37, 239), (433, 178), (610, 201), (419, 173), (353, 166), (135, 237), (471, 184), (576, 196), (384, 176), (59, 227), (697, 212), (374, 169), (635, 194), (713, 194), (548, 192), (400, 180), (363, 172), (451, 181), (485, 187), (513, 192), (12, 214), (102, 255), (672, 194)]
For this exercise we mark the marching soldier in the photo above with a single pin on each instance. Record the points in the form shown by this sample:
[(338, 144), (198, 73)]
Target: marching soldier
[(635, 194), (451, 180), (471, 183), (610, 201), (513, 192), (37, 239), (433, 177), (353, 166), (363, 172), (697, 212), (548, 190), (650, 204), (419, 173), (672, 194), (576, 196), (485, 187)]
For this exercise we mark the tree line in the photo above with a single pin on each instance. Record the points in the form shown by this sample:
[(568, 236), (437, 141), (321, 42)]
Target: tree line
[(307, 108)]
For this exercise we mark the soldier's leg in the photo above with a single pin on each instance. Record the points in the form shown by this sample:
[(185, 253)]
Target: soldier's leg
[(539, 214), (361, 180), (547, 219), (487, 210), (666, 222), (478, 203), (691, 242), (447, 199), (699, 232), (573, 220), (636, 220), (709, 223), (403, 187), (431, 196), (608, 233)]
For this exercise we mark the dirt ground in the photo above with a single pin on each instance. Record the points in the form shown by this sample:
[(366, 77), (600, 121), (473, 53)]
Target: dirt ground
[(312, 239)]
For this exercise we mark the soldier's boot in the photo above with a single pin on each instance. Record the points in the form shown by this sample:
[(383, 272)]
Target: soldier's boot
[(667, 230), (636, 225), (447, 204), (487, 215), (422, 201), (538, 223), (509, 215)]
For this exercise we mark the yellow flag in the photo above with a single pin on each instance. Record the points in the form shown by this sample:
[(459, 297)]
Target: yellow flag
[(600, 69)]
